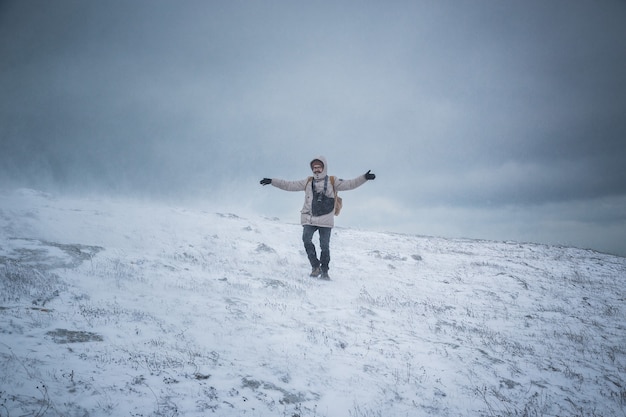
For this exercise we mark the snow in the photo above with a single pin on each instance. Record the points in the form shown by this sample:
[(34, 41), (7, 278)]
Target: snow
[(134, 308)]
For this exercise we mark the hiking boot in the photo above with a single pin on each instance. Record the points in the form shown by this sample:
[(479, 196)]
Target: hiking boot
[(325, 276), (316, 272)]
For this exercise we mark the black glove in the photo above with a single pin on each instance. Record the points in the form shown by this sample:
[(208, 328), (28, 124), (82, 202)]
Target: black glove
[(266, 181), (369, 175)]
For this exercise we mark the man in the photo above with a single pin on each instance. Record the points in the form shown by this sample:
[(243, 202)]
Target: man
[(318, 211)]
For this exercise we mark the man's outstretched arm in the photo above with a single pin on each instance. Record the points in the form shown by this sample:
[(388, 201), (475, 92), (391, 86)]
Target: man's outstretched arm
[(284, 184), (345, 185)]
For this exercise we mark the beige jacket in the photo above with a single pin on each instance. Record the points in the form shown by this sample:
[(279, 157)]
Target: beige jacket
[(307, 217)]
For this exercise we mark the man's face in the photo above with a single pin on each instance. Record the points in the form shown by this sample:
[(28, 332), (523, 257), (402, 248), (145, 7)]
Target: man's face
[(317, 168)]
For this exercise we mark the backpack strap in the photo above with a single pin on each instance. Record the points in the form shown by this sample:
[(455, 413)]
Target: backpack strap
[(338, 200), (332, 181)]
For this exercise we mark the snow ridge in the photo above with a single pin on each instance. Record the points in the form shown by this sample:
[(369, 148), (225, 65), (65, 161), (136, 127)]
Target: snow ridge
[(113, 307)]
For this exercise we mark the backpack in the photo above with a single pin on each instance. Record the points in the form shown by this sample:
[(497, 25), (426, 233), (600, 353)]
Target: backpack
[(338, 200)]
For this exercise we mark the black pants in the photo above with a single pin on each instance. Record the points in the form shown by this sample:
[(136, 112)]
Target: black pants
[(307, 238)]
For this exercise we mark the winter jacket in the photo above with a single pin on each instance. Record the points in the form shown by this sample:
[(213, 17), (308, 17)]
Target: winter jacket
[(307, 217)]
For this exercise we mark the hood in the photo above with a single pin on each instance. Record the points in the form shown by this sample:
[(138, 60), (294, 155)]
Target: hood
[(324, 171)]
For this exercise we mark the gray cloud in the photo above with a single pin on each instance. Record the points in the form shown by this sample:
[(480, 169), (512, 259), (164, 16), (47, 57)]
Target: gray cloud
[(457, 106)]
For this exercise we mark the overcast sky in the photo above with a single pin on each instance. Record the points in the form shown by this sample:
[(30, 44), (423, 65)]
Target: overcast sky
[(488, 119)]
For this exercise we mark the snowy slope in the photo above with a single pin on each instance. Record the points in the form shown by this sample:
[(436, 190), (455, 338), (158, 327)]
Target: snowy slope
[(128, 308)]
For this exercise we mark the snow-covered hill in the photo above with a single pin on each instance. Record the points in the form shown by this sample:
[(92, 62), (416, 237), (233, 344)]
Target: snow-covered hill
[(111, 307)]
